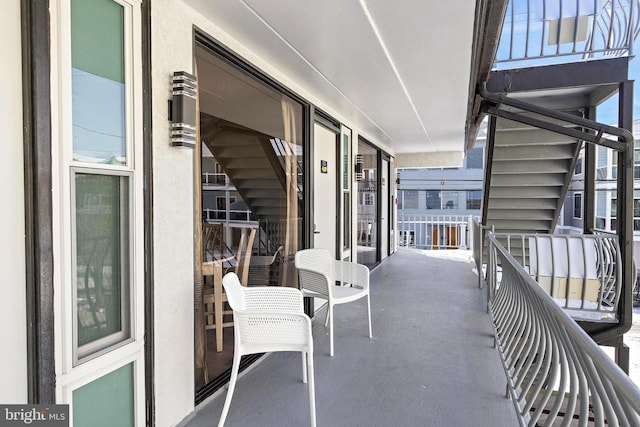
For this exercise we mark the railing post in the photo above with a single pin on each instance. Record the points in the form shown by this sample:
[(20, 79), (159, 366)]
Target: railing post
[(463, 235)]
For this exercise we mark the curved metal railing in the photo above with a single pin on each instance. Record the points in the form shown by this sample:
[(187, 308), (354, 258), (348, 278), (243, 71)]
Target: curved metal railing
[(556, 374), (553, 31), (581, 272)]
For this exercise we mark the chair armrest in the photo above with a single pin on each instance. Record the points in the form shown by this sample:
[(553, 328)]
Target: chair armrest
[(273, 299), (273, 331), (356, 275)]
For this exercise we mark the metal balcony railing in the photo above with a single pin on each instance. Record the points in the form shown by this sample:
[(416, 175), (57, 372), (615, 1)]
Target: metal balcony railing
[(582, 273), (210, 178), (555, 372), (434, 231), (552, 31)]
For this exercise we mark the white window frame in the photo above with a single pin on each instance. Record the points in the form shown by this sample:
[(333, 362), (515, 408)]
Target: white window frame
[(71, 375)]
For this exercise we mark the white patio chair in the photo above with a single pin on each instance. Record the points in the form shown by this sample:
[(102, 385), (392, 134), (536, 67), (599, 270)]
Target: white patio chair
[(268, 319), (318, 274)]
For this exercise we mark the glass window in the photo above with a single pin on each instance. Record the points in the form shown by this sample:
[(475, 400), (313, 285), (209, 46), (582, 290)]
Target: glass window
[(102, 261), (475, 158), (368, 199), (578, 169), (433, 199), (98, 82), (577, 205), (474, 200), (107, 401), (636, 164), (346, 189), (449, 200), (409, 199), (243, 119)]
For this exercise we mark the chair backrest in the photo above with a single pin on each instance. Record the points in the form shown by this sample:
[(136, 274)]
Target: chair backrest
[(243, 255), (314, 270), (234, 290)]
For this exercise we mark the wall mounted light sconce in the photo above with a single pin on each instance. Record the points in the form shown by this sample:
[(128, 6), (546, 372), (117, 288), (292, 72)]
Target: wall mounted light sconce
[(359, 167), (182, 110)]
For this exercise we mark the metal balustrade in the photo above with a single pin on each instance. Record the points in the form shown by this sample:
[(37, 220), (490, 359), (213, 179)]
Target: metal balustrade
[(556, 374), (434, 231), (582, 273), (571, 29)]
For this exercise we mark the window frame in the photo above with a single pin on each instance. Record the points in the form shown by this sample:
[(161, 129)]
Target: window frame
[(577, 196), (91, 350)]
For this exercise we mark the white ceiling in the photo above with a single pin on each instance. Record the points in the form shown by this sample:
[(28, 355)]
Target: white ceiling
[(398, 70)]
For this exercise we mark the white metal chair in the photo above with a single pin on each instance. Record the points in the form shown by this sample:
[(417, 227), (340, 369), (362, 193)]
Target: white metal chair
[(318, 274), (268, 319)]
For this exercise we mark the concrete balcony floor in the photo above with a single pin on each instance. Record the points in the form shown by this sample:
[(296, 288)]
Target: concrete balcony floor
[(430, 362)]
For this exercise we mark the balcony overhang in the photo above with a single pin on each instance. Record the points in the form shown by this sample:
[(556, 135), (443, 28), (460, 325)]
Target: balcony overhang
[(396, 72)]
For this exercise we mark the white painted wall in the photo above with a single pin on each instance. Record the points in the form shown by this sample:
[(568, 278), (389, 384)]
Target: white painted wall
[(173, 224), (13, 333)]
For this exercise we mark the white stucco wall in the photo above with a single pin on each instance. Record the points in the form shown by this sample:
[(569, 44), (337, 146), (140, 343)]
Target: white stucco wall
[(172, 222), (13, 334)]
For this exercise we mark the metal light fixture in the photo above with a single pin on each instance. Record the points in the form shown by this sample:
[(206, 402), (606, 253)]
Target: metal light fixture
[(359, 167), (183, 110)]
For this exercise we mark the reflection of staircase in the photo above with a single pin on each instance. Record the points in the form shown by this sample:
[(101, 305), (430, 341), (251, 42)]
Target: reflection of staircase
[(249, 160), (528, 178)]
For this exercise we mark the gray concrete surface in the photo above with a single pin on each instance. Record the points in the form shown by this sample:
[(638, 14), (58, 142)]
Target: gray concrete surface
[(430, 363)]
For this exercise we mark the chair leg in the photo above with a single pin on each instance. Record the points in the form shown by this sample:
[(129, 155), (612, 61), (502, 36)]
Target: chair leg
[(232, 386), (330, 330), (369, 313), (326, 317), (312, 393), (304, 366)]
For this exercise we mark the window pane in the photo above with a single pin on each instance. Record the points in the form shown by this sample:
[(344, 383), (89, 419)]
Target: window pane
[(433, 200), (577, 205), (346, 221), (409, 199), (102, 229), (474, 199), (107, 401), (98, 83), (449, 200), (346, 162), (578, 169), (614, 207)]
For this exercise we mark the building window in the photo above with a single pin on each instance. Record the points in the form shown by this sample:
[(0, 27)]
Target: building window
[(474, 200), (577, 206), (102, 260), (601, 163), (368, 199), (433, 199), (474, 158), (578, 168), (636, 161), (408, 199), (450, 200)]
